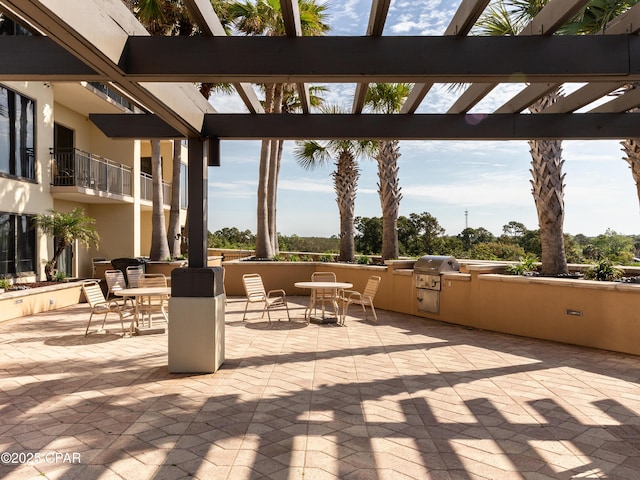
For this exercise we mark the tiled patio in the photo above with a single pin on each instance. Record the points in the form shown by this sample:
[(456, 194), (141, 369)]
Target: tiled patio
[(407, 398)]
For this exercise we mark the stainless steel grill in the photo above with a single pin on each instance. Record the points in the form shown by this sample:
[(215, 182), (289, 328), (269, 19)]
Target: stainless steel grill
[(428, 272)]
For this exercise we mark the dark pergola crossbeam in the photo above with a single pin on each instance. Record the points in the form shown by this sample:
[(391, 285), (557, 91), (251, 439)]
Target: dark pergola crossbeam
[(32, 58), (384, 59), (268, 59), (402, 127)]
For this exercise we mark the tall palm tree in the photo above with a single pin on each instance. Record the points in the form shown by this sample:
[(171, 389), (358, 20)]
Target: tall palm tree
[(170, 17), (290, 104), (163, 17), (388, 98), (264, 17), (312, 154), (508, 17)]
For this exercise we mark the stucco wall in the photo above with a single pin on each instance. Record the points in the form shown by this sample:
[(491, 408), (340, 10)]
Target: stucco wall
[(24, 302), (594, 314)]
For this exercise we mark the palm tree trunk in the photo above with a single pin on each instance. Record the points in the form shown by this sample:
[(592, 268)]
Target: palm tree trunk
[(274, 197), (274, 170), (159, 245), (548, 193), (173, 232), (264, 247), (631, 148), (390, 196), (345, 181)]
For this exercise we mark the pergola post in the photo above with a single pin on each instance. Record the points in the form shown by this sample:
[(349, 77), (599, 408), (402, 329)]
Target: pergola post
[(197, 303), (197, 195)]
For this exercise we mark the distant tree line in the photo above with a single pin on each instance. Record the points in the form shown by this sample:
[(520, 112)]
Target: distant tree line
[(422, 234)]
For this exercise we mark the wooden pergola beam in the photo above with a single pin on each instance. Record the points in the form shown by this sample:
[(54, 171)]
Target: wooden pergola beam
[(402, 127)]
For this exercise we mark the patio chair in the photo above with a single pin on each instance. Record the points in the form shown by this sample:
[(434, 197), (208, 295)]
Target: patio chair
[(256, 293), (324, 297), (133, 274), (115, 281), (94, 261), (365, 299), (98, 304), (148, 305)]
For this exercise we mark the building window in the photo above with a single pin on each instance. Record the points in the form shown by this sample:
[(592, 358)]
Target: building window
[(184, 186), (17, 135), (9, 27), (17, 245)]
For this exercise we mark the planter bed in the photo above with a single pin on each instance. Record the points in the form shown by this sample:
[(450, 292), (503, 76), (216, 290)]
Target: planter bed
[(40, 297)]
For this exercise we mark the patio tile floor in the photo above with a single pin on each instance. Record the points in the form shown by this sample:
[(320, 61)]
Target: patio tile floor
[(407, 398)]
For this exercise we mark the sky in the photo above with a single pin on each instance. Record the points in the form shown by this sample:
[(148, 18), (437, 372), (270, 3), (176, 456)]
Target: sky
[(461, 183)]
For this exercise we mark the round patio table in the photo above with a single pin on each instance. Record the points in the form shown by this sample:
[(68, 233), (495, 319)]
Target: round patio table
[(322, 288), (138, 293)]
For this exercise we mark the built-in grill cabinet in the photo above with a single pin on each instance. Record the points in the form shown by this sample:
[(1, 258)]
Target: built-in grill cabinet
[(428, 272)]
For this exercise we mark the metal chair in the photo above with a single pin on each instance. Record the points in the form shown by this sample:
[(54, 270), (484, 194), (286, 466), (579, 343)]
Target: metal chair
[(95, 260), (133, 274), (148, 305), (115, 281), (256, 293), (365, 299), (324, 296), (98, 304)]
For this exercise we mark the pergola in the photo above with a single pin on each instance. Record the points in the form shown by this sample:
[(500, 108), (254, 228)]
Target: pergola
[(102, 41)]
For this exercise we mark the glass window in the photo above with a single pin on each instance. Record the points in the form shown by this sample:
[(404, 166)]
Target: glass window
[(6, 252), (184, 185), (17, 135), (25, 165), (5, 131), (25, 244), (17, 244)]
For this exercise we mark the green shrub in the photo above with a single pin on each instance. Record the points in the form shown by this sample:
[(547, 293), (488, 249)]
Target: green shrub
[(326, 258), (603, 271), (363, 260), (526, 265), (59, 276), (4, 283)]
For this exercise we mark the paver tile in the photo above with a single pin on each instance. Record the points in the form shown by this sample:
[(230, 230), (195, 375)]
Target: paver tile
[(408, 398)]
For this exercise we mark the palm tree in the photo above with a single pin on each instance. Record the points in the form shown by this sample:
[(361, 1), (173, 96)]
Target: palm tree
[(388, 98), (66, 227), (312, 154), (290, 104), (170, 17), (264, 17), (163, 17), (508, 17)]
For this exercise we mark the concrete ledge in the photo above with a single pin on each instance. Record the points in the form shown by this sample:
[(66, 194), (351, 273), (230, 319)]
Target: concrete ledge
[(20, 303)]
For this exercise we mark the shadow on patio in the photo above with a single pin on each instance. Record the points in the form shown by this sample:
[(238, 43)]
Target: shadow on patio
[(407, 398)]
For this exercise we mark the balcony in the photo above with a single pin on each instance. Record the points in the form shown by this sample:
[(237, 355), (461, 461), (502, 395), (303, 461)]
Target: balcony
[(82, 176), (146, 190)]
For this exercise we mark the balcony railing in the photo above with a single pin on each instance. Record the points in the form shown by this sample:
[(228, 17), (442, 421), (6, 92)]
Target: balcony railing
[(146, 189), (76, 168)]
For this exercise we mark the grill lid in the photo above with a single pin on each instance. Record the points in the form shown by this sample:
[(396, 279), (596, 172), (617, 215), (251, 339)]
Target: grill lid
[(435, 265)]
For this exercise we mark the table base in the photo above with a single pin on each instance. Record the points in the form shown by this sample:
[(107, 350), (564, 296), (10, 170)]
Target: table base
[(323, 321), (149, 330)]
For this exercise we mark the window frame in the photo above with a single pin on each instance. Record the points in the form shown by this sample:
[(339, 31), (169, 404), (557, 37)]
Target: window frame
[(18, 241), (20, 117)]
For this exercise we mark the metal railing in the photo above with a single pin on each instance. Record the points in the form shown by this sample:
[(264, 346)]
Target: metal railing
[(74, 167), (146, 189)]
